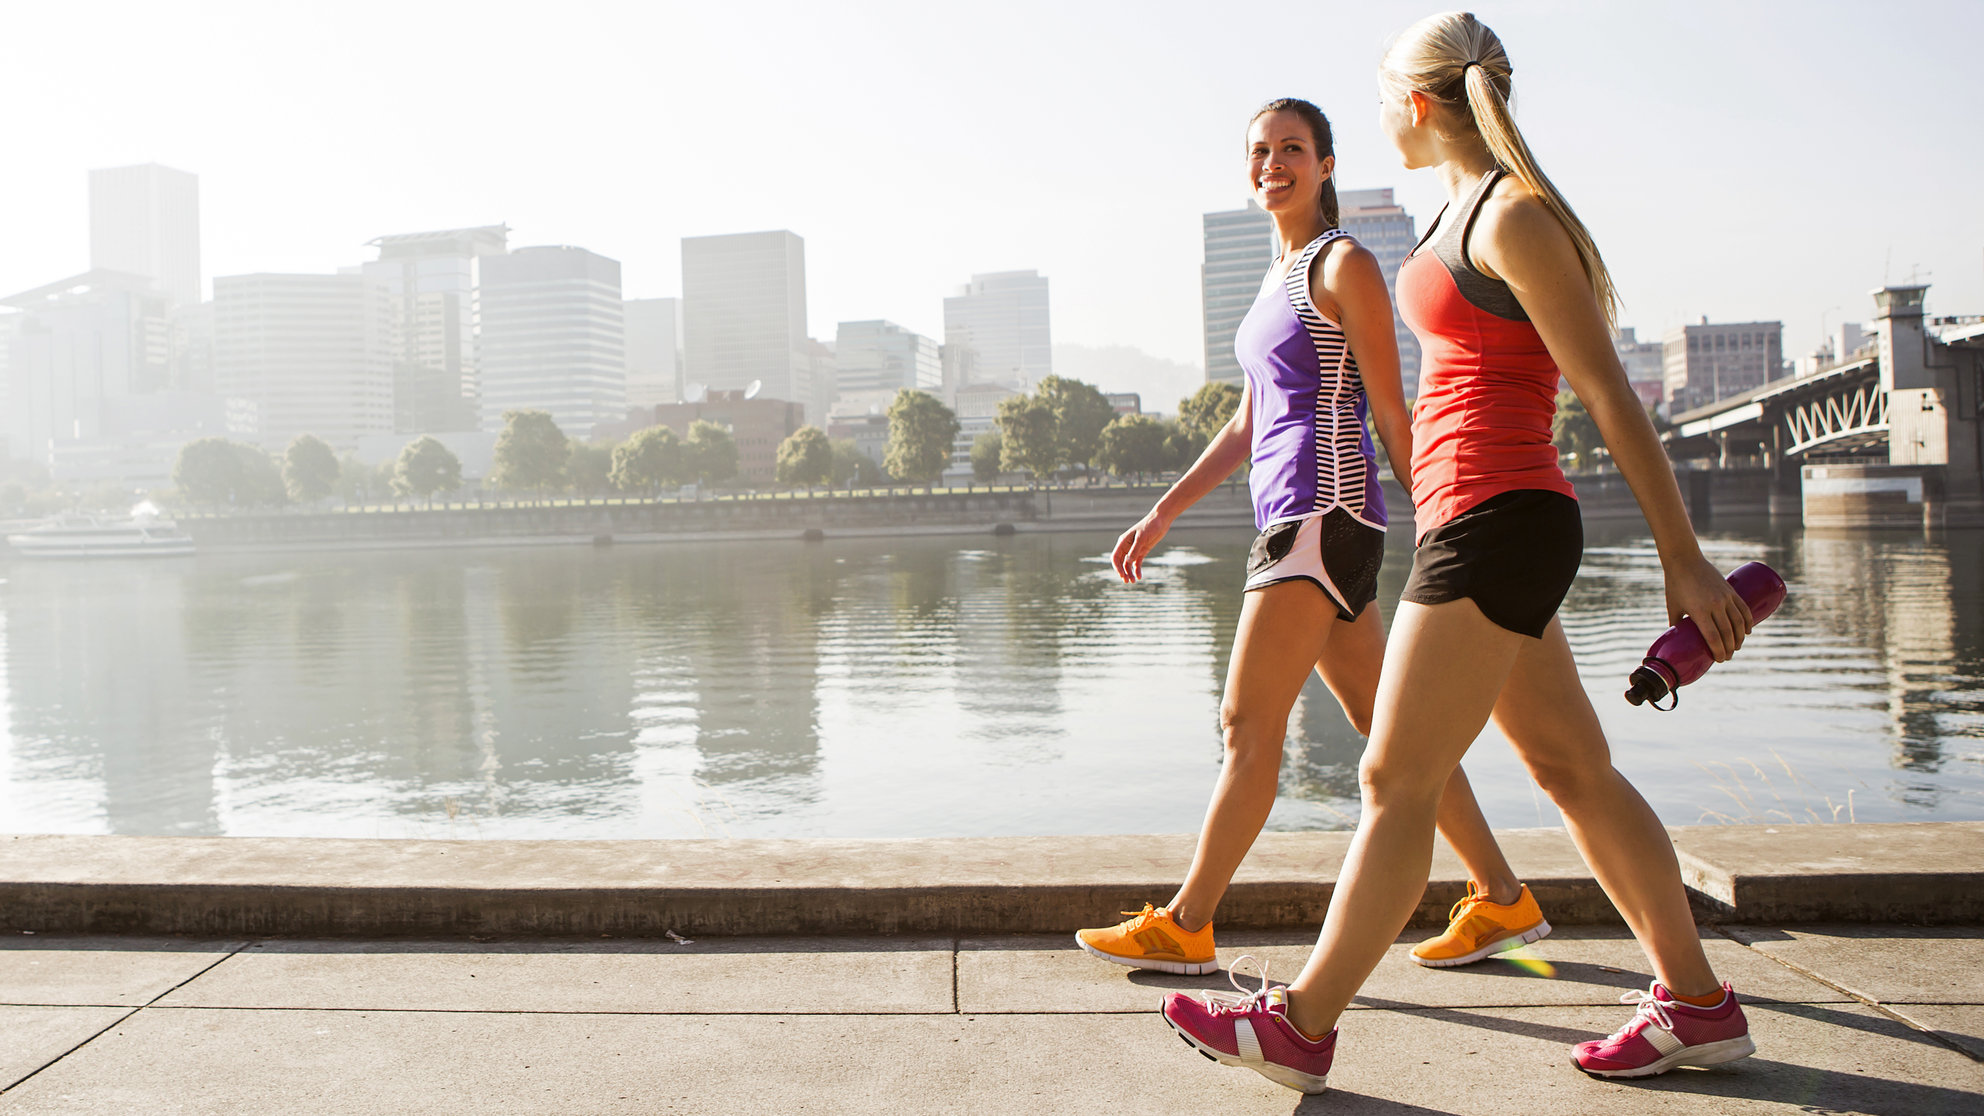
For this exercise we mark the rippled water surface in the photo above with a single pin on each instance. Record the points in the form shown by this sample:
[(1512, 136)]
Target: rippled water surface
[(914, 687)]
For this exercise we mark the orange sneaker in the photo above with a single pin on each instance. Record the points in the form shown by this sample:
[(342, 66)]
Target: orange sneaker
[(1477, 928), (1150, 940)]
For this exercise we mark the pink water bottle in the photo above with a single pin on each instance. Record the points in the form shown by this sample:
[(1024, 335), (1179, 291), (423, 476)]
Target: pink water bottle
[(1681, 655)]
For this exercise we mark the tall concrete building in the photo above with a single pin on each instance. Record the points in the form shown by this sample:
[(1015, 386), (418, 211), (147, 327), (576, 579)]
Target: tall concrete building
[(1239, 251), (654, 351), (1382, 225), (997, 331), (744, 315), (1706, 362), (145, 220), (432, 279), (875, 359), (553, 338), (312, 353), (73, 347)]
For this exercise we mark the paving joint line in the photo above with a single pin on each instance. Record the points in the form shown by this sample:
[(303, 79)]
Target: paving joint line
[(121, 1020), (957, 944), (1878, 1007)]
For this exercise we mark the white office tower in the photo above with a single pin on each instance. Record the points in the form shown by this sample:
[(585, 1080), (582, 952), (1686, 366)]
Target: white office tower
[(996, 331), (1239, 250), (654, 351), (553, 338), (432, 280), (145, 220), (874, 360), (71, 347), (312, 353), (744, 315), (1383, 226)]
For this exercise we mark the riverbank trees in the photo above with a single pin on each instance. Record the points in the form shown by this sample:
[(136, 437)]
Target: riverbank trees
[(921, 433)]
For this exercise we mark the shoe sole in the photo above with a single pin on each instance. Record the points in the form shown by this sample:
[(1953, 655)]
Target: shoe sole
[(1706, 1054), (1183, 968), (1283, 1076), (1535, 933)]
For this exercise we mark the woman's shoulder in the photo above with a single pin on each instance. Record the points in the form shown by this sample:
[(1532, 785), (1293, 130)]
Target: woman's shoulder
[(1513, 225)]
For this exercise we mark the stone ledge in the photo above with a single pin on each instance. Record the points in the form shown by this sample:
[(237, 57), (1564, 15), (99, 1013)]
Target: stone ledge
[(1916, 873)]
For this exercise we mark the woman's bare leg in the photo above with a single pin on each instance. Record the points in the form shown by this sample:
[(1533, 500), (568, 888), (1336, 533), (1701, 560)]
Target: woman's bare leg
[(1350, 666), (1547, 716), (1442, 672), (1283, 631)]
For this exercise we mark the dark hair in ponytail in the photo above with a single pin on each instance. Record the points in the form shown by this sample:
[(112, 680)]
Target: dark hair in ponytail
[(1319, 128)]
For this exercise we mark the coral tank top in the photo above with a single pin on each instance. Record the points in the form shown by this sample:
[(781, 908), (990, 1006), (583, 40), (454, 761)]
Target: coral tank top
[(1487, 384)]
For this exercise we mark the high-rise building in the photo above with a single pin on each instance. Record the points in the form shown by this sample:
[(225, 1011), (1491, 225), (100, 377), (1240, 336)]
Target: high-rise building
[(73, 346), (996, 331), (1382, 225), (744, 315), (432, 279), (875, 359), (654, 351), (312, 353), (1709, 362), (145, 220), (553, 338), (1239, 251)]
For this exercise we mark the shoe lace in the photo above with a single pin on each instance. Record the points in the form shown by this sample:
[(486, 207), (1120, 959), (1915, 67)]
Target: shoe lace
[(1648, 1008), (1466, 904), (1141, 919), (1240, 1000)]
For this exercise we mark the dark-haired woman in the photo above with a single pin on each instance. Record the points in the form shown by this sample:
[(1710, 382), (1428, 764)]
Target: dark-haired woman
[(1506, 292), (1319, 353)]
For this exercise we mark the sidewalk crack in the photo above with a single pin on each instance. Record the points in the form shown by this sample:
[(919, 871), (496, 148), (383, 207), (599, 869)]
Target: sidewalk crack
[(119, 1021), (1864, 1001), (956, 945)]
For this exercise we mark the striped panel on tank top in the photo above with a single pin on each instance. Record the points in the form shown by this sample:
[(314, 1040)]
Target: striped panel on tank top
[(1340, 464)]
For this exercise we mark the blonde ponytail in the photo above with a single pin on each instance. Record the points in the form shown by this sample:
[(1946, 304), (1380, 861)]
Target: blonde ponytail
[(1455, 59)]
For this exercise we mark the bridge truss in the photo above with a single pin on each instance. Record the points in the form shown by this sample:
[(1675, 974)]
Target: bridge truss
[(1854, 415)]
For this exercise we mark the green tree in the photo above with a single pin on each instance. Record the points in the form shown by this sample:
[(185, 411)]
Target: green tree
[(1182, 446), (806, 458), (215, 471), (589, 468), (1132, 446), (921, 433), (1207, 409), (425, 467), (1080, 413), (1026, 436), (985, 457), (309, 469), (711, 453), (647, 461), (530, 452), (851, 466), (1575, 433)]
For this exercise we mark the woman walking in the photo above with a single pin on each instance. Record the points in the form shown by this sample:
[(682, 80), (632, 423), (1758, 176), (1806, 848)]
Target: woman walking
[(1320, 353), (1506, 292)]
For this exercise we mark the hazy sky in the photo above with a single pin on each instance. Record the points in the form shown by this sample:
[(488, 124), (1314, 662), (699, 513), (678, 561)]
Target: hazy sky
[(1740, 160)]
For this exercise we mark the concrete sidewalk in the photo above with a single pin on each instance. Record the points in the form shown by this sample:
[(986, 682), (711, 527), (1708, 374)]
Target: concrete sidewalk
[(1859, 1018)]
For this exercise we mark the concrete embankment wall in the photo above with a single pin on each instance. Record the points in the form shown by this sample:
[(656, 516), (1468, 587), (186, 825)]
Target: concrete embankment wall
[(1913, 873)]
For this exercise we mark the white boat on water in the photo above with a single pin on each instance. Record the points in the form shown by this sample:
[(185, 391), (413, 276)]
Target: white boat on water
[(143, 533)]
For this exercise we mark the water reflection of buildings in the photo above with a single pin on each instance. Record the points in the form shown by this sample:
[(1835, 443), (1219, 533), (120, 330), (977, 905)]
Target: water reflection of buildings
[(1918, 604)]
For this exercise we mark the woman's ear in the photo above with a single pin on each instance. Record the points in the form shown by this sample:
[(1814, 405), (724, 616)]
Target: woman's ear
[(1422, 107), (1329, 167)]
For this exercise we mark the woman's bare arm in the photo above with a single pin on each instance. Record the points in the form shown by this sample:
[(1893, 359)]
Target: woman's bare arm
[(1222, 455)]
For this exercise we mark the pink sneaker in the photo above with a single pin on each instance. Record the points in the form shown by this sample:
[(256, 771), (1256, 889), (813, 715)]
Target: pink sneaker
[(1665, 1033), (1252, 1030)]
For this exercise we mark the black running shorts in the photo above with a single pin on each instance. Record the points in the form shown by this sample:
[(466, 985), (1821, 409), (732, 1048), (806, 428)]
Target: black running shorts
[(1336, 551), (1514, 555)]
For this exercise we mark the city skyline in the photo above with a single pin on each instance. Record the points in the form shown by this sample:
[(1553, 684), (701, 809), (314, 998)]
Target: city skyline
[(1708, 119)]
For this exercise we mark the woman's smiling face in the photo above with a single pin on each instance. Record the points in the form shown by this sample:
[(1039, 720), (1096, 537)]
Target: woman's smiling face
[(1282, 166)]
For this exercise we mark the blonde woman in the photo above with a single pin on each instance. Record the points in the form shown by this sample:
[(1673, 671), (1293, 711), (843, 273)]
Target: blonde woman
[(1506, 292)]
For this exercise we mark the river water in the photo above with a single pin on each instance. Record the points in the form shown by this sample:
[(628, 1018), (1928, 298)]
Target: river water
[(891, 688)]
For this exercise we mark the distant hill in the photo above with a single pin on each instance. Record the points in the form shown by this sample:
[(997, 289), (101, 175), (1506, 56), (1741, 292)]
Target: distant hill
[(1162, 383)]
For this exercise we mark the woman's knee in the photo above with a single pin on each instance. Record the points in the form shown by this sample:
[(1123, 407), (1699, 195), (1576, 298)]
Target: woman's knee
[(1248, 735), (1387, 776)]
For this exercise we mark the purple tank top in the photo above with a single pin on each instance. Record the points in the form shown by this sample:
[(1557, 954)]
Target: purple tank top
[(1312, 451)]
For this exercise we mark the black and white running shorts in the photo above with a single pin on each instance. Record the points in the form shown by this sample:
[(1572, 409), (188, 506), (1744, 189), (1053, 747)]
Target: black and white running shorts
[(1336, 551)]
